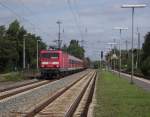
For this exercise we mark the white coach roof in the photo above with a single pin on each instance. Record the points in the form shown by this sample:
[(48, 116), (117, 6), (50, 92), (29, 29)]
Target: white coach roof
[(74, 58)]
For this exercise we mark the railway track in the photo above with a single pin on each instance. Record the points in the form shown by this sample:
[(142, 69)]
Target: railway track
[(11, 91), (17, 86), (66, 101)]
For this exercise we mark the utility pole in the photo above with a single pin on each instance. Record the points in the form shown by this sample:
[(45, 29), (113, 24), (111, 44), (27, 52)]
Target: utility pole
[(82, 43), (114, 54), (37, 49), (111, 45), (24, 54), (102, 52), (138, 48), (59, 34), (126, 45), (127, 53)]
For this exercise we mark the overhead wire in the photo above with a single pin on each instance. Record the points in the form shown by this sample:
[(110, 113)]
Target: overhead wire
[(30, 11), (75, 19), (18, 16), (78, 14), (81, 24), (23, 19)]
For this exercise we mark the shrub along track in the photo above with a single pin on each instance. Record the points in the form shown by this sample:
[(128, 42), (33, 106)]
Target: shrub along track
[(66, 102)]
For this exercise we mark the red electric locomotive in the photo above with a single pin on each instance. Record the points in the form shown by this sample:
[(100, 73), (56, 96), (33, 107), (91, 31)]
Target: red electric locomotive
[(56, 62)]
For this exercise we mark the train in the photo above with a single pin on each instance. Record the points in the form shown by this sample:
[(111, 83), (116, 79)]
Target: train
[(57, 62)]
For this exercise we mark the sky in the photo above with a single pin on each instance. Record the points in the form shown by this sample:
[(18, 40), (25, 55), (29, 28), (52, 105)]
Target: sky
[(89, 20)]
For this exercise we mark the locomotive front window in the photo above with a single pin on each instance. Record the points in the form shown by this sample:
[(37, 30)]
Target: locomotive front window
[(54, 55), (45, 55)]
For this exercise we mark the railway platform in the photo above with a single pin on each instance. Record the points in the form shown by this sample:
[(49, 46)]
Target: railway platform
[(139, 81)]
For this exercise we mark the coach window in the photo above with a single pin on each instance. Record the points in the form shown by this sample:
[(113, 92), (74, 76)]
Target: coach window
[(70, 62)]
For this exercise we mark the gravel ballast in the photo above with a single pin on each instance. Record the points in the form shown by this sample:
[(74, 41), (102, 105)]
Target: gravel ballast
[(29, 99)]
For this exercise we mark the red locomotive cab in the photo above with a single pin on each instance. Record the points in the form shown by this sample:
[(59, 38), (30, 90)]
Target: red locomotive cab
[(49, 59)]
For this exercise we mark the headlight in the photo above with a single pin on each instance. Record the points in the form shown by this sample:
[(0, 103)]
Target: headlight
[(44, 63), (55, 63)]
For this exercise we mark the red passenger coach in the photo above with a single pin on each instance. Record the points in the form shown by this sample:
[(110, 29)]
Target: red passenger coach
[(54, 62)]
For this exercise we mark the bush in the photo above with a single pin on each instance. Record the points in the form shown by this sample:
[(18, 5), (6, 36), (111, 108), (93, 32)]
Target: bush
[(13, 76), (145, 66)]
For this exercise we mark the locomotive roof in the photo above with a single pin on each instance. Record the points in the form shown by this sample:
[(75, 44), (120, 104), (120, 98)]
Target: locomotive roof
[(43, 51)]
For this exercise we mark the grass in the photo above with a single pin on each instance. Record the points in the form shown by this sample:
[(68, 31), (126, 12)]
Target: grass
[(117, 98), (13, 76)]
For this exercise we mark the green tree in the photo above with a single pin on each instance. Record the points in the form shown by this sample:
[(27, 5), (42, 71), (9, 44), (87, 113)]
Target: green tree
[(2, 31), (145, 59), (96, 64), (8, 55), (13, 29), (145, 66), (12, 35), (87, 62), (75, 49), (31, 51), (11, 47)]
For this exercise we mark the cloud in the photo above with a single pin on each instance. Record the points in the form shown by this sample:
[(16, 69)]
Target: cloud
[(98, 16)]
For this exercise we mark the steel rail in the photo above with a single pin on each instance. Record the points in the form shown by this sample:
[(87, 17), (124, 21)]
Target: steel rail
[(53, 98), (75, 104), (14, 87), (84, 113), (17, 91)]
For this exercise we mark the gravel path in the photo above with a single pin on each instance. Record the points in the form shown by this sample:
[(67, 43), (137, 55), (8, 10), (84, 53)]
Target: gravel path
[(24, 101), (141, 82)]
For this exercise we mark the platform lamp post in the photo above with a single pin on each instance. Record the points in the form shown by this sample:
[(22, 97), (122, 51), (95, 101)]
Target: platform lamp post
[(133, 9), (120, 30)]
